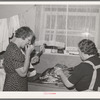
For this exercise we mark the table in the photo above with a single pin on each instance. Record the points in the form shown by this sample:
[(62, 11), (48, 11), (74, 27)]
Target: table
[(34, 86)]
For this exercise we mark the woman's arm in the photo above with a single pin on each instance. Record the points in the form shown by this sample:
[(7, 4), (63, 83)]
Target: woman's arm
[(22, 71), (64, 78)]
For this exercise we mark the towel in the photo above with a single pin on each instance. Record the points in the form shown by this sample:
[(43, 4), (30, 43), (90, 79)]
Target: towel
[(4, 37), (13, 24)]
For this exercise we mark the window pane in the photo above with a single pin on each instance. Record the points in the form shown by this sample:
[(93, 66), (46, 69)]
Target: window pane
[(61, 22), (76, 22), (48, 21), (92, 23), (53, 19), (61, 38), (72, 41)]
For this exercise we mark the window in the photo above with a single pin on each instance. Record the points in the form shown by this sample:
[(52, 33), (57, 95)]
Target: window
[(66, 24)]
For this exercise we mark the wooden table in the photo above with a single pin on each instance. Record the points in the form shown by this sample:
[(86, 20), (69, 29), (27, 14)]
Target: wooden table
[(34, 86)]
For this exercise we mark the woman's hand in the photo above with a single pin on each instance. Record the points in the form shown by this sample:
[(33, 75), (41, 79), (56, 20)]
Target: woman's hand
[(29, 49), (42, 48), (34, 59), (58, 71)]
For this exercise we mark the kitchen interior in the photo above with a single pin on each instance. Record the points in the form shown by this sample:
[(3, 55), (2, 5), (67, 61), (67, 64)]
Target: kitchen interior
[(59, 27)]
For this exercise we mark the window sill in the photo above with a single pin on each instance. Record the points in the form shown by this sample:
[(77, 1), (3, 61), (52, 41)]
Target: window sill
[(49, 52)]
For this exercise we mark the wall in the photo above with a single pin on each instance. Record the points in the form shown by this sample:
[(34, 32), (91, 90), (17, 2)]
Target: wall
[(10, 10), (26, 14)]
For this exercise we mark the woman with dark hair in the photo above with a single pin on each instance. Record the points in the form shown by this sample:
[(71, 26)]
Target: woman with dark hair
[(83, 73), (16, 63)]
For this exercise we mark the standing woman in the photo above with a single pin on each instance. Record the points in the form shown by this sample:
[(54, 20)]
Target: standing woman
[(16, 64)]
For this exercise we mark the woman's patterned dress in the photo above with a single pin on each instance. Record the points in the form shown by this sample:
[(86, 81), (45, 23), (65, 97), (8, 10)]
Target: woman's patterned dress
[(14, 59)]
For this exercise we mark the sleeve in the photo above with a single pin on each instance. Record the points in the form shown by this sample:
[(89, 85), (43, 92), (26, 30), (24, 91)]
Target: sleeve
[(18, 59), (17, 63), (77, 74)]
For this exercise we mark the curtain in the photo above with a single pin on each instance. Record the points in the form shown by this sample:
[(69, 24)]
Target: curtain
[(4, 37), (13, 24)]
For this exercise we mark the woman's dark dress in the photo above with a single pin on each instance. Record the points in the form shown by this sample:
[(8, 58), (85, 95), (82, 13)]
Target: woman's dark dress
[(14, 59)]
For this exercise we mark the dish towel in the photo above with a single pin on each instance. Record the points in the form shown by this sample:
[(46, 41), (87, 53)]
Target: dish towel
[(13, 24), (4, 37)]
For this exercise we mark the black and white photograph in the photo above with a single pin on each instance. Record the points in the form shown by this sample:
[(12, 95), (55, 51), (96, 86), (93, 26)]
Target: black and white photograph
[(50, 48)]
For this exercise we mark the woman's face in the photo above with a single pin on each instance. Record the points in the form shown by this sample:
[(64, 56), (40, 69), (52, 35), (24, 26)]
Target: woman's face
[(81, 54), (26, 41)]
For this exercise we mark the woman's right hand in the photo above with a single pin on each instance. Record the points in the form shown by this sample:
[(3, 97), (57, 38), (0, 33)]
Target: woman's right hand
[(29, 49)]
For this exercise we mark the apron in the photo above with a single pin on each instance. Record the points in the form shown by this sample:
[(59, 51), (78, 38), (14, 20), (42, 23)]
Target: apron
[(92, 83)]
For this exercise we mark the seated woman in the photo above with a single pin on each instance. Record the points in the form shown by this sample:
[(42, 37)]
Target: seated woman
[(82, 74)]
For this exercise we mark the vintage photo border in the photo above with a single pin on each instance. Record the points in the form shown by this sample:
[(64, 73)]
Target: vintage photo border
[(46, 95)]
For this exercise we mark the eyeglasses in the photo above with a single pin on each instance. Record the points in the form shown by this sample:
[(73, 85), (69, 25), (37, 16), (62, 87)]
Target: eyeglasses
[(29, 41)]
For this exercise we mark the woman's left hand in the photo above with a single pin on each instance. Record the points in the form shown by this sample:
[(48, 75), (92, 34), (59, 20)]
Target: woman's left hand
[(35, 59), (58, 71), (42, 48)]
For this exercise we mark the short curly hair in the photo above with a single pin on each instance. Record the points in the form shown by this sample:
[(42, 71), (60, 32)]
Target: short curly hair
[(24, 32), (88, 47)]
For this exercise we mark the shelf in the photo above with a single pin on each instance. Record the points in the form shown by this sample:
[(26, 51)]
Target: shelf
[(49, 52)]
